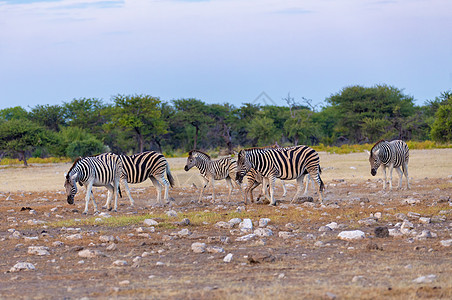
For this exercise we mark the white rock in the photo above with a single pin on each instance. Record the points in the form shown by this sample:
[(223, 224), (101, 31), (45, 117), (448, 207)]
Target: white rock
[(263, 232), (198, 247), (145, 229), (425, 234), (124, 282), (184, 232), (171, 213), (112, 247), (150, 222), (38, 250), (222, 224), (332, 225), (351, 235), (76, 236), (246, 225), (104, 215), (245, 238), (425, 220), (377, 215), (263, 222), (446, 243), (87, 253), (235, 221), (22, 266), (120, 263), (286, 234), (57, 244), (215, 249), (107, 238), (228, 258), (395, 232), (406, 227), (425, 279)]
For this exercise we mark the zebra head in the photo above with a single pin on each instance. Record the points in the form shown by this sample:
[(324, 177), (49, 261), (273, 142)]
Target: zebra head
[(375, 162), (191, 161), (193, 157), (243, 166), (71, 187)]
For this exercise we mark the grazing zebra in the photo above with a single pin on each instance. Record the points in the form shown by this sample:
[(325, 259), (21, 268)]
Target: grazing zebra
[(141, 166), (102, 170), (211, 170), (284, 163), (390, 155)]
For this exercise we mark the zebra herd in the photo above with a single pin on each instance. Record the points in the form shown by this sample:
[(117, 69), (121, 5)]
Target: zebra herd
[(260, 165)]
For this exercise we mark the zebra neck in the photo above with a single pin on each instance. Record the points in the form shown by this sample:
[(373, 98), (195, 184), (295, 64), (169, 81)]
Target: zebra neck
[(202, 166)]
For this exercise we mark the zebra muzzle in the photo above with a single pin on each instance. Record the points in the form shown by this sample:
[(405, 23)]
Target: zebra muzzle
[(186, 168), (70, 199), (373, 172)]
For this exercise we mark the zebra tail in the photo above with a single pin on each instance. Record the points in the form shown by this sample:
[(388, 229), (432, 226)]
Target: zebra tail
[(119, 190), (322, 186), (169, 176)]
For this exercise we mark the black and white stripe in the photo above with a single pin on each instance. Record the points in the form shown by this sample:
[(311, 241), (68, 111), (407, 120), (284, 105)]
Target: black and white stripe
[(101, 170), (141, 166), (285, 163), (254, 179), (211, 170), (394, 154)]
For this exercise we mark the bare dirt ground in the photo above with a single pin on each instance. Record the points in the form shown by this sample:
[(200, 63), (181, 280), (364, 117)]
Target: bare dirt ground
[(301, 259)]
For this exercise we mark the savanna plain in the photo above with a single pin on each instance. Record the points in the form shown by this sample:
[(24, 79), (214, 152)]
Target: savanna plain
[(177, 251)]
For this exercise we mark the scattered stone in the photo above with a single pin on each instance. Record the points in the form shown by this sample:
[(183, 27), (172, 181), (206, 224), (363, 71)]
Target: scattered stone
[(332, 225), (373, 246), (359, 279), (107, 238), (198, 247), (145, 229), (246, 225), (400, 216), (425, 279), (325, 229), (104, 215), (223, 224), (171, 213), (286, 234), (263, 222), (22, 266), (228, 258), (76, 236), (183, 233), (112, 247), (235, 221), (330, 295), (150, 222), (425, 234), (246, 238), (410, 201), (184, 222), (394, 232), (413, 215), (425, 220), (159, 263), (406, 227), (120, 263), (381, 232), (57, 244), (88, 253), (319, 244), (263, 232), (351, 235), (38, 250), (215, 249), (446, 243), (368, 221), (124, 282)]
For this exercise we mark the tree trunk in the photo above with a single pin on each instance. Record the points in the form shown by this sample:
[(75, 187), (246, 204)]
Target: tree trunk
[(23, 157), (227, 138), (195, 143), (141, 143)]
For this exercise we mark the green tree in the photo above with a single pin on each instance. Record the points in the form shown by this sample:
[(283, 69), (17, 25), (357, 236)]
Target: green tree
[(356, 103), (13, 113), (262, 131), (139, 113), (75, 142), (49, 116), (23, 136), (299, 127), (86, 113), (442, 126)]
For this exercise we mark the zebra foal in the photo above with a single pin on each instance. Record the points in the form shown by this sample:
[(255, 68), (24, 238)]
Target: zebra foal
[(101, 170), (211, 170), (284, 163), (138, 167), (394, 154)]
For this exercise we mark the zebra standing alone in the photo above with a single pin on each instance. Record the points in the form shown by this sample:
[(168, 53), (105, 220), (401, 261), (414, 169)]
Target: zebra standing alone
[(390, 155), (153, 165), (212, 170), (284, 163), (102, 170)]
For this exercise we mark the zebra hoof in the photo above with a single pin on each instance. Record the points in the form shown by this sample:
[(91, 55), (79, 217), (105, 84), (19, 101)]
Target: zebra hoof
[(84, 213), (96, 212), (110, 209), (104, 207)]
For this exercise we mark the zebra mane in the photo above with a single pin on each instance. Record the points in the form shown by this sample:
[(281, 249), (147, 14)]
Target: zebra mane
[(377, 143), (73, 165), (197, 151)]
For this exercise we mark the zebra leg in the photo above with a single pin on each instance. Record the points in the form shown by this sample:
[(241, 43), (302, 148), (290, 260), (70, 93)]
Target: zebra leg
[(166, 184), (399, 171), (229, 181), (89, 191), (132, 203), (271, 182), (212, 182), (405, 171), (384, 173), (315, 174), (158, 186), (299, 187), (284, 188), (111, 191), (391, 168), (206, 182)]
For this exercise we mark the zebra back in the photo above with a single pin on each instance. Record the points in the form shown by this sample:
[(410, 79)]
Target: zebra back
[(138, 167), (395, 152)]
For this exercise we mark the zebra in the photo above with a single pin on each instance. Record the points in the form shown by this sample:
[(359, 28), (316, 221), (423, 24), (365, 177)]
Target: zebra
[(153, 165), (394, 154), (211, 170), (102, 170), (284, 163)]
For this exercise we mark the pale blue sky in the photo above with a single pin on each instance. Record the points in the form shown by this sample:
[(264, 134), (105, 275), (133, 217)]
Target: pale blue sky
[(221, 50)]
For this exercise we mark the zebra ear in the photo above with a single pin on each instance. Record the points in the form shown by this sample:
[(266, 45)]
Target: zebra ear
[(367, 151), (65, 175), (73, 177), (376, 152)]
